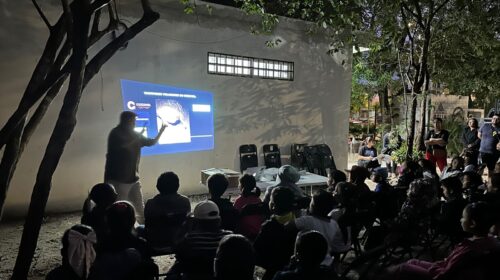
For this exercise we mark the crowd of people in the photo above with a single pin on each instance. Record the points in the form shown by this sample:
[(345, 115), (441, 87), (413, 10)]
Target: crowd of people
[(289, 233)]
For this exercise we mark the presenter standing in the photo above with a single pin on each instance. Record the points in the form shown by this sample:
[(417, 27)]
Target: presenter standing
[(122, 160)]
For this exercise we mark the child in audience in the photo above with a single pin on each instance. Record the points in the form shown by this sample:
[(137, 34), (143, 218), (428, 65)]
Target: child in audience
[(475, 220), (471, 182), (235, 259), (274, 244), (379, 176), (334, 177), (455, 169), (102, 195), (451, 209), (318, 219), (195, 253), (120, 217), (386, 206), (310, 251), (77, 253), (166, 212), (217, 185), (249, 225)]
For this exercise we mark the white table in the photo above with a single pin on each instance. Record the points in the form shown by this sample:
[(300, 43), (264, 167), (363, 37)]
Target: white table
[(306, 180)]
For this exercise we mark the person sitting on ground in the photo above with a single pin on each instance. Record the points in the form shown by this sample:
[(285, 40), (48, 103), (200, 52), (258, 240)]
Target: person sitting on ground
[(120, 217), (166, 212), (195, 253), (235, 259), (77, 253), (311, 248), (455, 169), (288, 176), (321, 205), (379, 177), (217, 185), (249, 225), (451, 210), (334, 177), (475, 220), (274, 244), (367, 155), (102, 195), (471, 183)]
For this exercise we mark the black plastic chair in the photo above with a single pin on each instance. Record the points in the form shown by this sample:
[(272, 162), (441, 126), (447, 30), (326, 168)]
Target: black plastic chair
[(248, 156), (313, 161), (297, 158), (272, 155), (326, 157)]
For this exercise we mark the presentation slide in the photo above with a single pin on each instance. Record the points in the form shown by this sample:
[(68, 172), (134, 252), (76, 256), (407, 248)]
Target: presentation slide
[(187, 113)]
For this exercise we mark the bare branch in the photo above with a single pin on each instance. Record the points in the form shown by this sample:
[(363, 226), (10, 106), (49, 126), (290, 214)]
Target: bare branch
[(418, 18), (42, 15), (439, 8), (98, 4), (95, 23)]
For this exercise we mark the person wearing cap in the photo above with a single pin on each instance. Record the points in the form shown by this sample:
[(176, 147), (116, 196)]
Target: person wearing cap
[(195, 253), (288, 176), (122, 160)]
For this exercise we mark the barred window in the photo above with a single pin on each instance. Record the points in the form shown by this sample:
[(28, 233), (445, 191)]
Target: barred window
[(232, 65)]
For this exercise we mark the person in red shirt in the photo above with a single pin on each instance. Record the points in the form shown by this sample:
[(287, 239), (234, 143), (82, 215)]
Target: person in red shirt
[(249, 225), (476, 220)]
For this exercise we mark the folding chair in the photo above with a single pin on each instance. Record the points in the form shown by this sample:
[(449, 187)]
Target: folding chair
[(248, 156), (297, 158), (272, 155)]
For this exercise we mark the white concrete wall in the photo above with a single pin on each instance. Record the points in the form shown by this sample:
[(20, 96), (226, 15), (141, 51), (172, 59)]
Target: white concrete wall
[(313, 108)]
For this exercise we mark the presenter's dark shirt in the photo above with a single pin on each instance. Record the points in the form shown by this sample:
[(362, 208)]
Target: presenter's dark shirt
[(489, 138), (124, 154), (443, 134)]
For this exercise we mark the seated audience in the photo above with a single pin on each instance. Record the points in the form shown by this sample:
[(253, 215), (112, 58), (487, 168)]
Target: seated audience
[(166, 212), (386, 206), (235, 259), (451, 210), (274, 244), (102, 195), (470, 162), (217, 185), (471, 182), (310, 251), (410, 171), (120, 217), (249, 225), (475, 220), (195, 253), (287, 177), (455, 169), (77, 253), (364, 197), (125, 264), (318, 219), (334, 177)]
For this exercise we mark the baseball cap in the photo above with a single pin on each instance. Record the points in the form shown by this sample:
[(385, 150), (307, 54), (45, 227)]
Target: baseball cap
[(206, 210)]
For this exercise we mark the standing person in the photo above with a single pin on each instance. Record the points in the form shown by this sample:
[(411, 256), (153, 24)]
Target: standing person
[(367, 155), (435, 142), (489, 135), (122, 160), (470, 140)]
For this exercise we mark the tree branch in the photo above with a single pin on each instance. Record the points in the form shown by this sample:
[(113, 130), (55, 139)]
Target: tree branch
[(42, 15), (98, 4)]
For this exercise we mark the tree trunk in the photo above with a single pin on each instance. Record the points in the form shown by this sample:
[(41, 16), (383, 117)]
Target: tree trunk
[(411, 133), (423, 123), (15, 147), (65, 125)]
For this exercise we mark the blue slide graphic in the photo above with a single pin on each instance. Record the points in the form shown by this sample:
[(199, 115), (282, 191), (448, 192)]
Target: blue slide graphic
[(187, 113)]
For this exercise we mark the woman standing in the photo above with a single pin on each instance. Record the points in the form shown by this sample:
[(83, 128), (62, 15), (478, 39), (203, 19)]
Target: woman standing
[(470, 140)]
